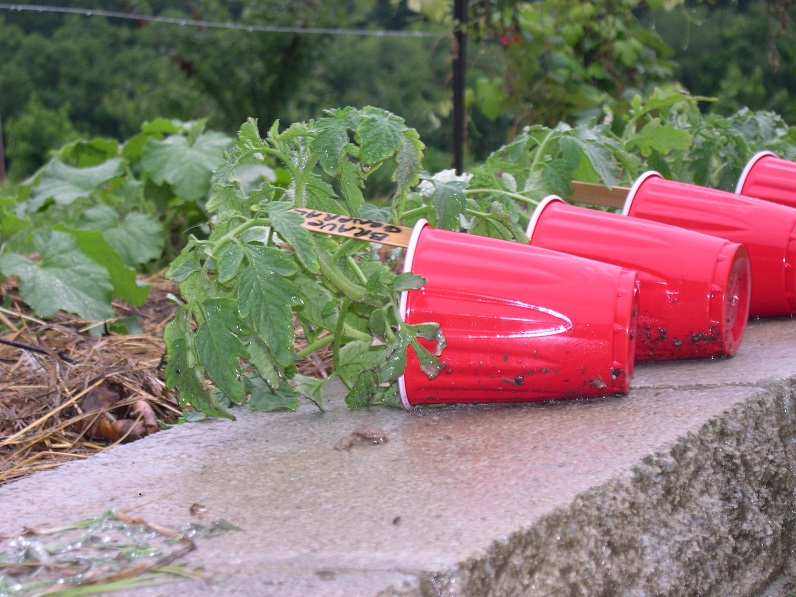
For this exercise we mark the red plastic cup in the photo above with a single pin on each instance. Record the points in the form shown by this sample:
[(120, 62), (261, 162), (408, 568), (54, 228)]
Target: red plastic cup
[(768, 231), (694, 289), (769, 178), (522, 323)]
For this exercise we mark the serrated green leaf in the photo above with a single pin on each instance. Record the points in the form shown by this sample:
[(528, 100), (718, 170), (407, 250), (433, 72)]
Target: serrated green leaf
[(122, 278), (219, 347), (185, 264), (358, 356), (330, 142), (361, 395), (181, 370), (64, 184), (409, 161), (65, 279), (266, 298), (407, 281), (320, 195), (138, 238), (319, 307), (229, 261), (311, 387), (264, 399), (662, 138), (288, 225), (379, 135), (597, 149), (187, 168), (449, 203), (262, 360), (351, 184)]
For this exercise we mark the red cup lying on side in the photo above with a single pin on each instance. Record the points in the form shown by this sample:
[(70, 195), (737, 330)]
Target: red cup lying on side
[(766, 229), (521, 323), (769, 178), (694, 289)]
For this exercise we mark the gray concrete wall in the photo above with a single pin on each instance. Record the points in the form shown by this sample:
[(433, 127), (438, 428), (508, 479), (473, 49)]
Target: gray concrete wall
[(683, 487)]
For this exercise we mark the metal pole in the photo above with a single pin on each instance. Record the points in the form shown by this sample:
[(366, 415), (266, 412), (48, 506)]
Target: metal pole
[(459, 66)]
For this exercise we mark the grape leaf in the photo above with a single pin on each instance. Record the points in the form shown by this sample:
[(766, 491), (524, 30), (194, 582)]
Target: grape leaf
[(65, 279), (187, 168), (64, 183), (138, 238), (219, 347), (122, 278)]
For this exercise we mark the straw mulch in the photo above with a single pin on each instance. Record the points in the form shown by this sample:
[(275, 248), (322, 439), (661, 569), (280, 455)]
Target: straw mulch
[(66, 393)]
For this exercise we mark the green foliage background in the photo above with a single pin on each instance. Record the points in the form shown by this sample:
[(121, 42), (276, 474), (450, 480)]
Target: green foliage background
[(543, 62)]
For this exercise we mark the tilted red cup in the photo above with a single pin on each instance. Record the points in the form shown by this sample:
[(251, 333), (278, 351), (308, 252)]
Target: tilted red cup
[(769, 178), (694, 289), (766, 229), (521, 323)]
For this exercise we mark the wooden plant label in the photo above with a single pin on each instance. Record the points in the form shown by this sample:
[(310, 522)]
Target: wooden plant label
[(351, 227), (597, 194)]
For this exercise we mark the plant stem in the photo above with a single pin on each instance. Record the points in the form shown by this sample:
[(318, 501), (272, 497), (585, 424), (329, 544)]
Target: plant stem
[(332, 272), (338, 336), (417, 211), (509, 194)]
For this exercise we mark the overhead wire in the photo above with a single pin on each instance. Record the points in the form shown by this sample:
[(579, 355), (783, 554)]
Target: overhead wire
[(90, 12)]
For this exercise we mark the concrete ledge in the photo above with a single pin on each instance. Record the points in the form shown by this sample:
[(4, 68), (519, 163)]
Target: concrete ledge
[(685, 486)]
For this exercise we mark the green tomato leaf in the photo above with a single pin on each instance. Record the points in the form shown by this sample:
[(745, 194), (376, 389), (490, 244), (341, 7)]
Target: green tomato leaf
[(449, 202), (319, 306), (331, 139), (229, 260), (311, 388), (186, 167), (123, 278), (262, 360), (351, 184), (64, 184), (219, 346), (407, 281), (364, 389), (65, 279), (409, 161), (264, 399), (288, 225), (379, 135), (320, 195), (266, 298), (660, 138), (182, 371), (138, 238), (358, 356)]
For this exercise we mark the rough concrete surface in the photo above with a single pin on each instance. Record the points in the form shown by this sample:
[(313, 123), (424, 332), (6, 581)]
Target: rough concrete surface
[(683, 487)]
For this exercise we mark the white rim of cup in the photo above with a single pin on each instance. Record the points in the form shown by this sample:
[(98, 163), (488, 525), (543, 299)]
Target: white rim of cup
[(538, 212), (634, 189), (748, 168), (408, 259)]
